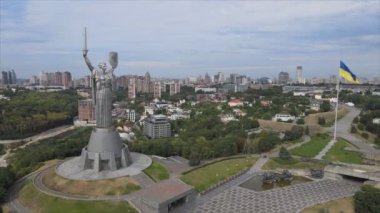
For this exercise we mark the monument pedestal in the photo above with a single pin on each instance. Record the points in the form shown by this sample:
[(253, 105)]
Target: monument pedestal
[(105, 151)]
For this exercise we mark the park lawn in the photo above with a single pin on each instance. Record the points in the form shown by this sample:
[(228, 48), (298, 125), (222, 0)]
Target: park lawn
[(37, 201), (116, 186), (206, 176), (157, 172), (337, 153), (345, 205), (277, 163), (313, 147)]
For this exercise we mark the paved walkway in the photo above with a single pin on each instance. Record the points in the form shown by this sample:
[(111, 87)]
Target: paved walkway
[(143, 180), (343, 131), (325, 150), (288, 199)]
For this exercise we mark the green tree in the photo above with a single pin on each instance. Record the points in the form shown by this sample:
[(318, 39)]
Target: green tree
[(301, 121), (284, 154), (307, 131), (321, 121), (367, 200), (295, 133), (325, 106), (353, 129), (194, 159)]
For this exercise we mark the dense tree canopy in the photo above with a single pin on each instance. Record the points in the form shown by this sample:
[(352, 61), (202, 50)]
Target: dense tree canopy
[(29, 112)]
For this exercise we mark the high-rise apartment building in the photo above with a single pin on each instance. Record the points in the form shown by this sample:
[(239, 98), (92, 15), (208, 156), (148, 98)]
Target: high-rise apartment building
[(283, 78), (234, 78), (157, 89), (66, 79), (58, 79), (207, 79), (146, 83), (174, 88), (132, 88), (219, 78), (4, 77), (34, 80), (157, 126), (86, 110), (299, 75), (12, 77)]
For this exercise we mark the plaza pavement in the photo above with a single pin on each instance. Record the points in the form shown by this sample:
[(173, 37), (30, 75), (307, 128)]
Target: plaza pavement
[(281, 200)]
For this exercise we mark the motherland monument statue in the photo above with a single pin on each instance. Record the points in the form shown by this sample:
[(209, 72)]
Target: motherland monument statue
[(105, 150)]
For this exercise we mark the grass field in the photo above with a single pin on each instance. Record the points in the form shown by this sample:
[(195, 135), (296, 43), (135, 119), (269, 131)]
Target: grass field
[(312, 120), (157, 172), (313, 147), (337, 153), (36, 201), (345, 205), (117, 186), (277, 163), (208, 175)]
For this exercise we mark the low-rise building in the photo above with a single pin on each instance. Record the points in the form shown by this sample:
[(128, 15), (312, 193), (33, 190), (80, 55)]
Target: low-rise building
[(283, 117), (376, 121), (235, 102), (157, 126), (130, 115)]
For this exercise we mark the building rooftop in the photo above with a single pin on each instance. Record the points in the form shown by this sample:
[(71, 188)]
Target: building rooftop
[(165, 191)]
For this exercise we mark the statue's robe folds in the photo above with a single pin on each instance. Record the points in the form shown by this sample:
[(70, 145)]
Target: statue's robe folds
[(103, 108)]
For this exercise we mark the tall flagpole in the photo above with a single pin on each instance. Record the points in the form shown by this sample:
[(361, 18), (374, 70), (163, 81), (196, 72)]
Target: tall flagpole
[(336, 108)]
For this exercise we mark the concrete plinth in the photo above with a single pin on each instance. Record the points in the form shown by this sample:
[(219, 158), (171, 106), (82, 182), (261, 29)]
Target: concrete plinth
[(105, 151), (72, 169)]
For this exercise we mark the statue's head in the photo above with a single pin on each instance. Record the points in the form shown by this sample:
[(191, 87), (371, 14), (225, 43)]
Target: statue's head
[(102, 66)]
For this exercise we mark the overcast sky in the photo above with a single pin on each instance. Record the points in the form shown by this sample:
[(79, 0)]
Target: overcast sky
[(189, 38)]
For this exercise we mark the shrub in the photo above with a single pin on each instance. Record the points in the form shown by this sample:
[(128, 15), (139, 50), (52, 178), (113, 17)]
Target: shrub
[(307, 131), (194, 159), (353, 129), (321, 121), (377, 141), (295, 133), (365, 135), (301, 121), (356, 120), (361, 126)]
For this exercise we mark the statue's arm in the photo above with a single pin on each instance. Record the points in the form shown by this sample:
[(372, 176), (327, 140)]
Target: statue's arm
[(88, 62)]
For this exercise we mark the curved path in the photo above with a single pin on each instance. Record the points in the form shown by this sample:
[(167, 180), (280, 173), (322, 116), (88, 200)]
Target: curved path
[(343, 131)]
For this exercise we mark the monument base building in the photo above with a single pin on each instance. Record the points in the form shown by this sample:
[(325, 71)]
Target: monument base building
[(105, 151)]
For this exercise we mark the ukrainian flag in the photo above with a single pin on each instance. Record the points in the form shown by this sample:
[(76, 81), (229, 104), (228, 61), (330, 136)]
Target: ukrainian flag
[(347, 74)]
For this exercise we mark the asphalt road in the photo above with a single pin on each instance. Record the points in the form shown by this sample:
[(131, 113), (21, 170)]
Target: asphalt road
[(47, 134), (343, 131)]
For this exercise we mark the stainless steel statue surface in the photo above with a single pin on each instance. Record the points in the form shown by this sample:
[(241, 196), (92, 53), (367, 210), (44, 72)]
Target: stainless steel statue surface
[(105, 151), (102, 87)]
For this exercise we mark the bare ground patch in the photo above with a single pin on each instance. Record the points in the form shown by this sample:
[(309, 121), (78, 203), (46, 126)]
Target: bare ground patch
[(279, 126)]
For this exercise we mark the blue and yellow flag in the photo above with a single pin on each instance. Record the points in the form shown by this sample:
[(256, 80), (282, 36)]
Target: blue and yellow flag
[(347, 74)]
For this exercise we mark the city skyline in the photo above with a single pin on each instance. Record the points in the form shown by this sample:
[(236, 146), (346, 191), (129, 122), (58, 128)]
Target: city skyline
[(179, 39)]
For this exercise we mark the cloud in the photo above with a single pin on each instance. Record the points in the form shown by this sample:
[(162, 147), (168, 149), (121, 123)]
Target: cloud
[(150, 64), (191, 36)]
